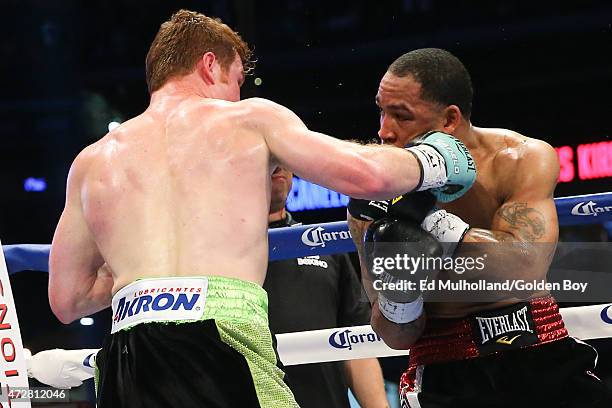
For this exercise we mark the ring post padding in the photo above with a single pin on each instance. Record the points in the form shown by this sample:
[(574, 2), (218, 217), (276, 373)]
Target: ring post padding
[(13, 370)]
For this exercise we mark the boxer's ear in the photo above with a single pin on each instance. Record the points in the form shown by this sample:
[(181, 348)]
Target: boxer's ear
[(452, 119), (206, 67)]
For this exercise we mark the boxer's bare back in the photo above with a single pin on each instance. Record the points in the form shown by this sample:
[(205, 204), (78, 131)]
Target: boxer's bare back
[(180, 191)]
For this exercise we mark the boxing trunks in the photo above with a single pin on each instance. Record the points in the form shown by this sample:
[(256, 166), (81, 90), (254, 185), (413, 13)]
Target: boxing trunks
[(516, 356), (190, 342)]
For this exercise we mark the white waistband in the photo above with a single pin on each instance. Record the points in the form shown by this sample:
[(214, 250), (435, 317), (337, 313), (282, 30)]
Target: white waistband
[(159, 300)]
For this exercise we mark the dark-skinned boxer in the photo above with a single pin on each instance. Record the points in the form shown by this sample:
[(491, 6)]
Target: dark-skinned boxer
[(510, 350)]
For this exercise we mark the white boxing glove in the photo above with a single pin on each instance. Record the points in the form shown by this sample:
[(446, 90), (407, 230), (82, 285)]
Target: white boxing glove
[(62, 368), (448, 229)]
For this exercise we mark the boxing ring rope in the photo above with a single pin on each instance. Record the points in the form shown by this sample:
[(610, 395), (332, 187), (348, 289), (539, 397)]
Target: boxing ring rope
[(346, 343), (351, 343), (328, 238), (334, 237)]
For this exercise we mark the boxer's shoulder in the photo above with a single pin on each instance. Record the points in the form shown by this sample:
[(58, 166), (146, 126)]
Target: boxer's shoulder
[(261, 111), (510, 146), (88, 156), (260, 106), (256, 102), (517, 159), (107, 146)]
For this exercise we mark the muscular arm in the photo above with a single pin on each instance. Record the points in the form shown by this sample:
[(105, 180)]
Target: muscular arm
[(526, 225), (365, 379), (80, 283), (372, 171)]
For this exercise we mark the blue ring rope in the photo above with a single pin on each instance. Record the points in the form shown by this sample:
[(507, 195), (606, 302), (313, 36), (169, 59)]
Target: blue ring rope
[(327, 238)]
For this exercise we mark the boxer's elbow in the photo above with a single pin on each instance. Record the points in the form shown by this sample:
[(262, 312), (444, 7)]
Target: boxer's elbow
[(523, 261), (398, 343), (62, 309), (65, 318), (398, 336), (63, 305)]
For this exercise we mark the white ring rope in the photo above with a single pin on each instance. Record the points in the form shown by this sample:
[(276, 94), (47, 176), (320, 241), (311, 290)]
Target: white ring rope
[(349, 343), (317, 346)]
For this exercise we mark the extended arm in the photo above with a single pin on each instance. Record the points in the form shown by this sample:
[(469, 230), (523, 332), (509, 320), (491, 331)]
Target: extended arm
[(80, 283), (370, 171)]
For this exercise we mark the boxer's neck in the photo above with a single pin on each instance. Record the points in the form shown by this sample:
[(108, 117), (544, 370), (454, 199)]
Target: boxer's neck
[(466, 133), (183, 87)]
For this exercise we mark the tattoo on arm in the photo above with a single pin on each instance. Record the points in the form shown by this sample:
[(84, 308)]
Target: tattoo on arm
[(529, 222), (483, 235)]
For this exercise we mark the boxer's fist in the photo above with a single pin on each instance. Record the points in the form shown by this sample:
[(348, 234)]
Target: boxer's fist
[(387, 238), (62, 368), (388, 243), (449, 170)]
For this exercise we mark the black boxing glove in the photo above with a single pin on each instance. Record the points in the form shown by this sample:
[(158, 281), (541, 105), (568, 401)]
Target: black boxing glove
[(390, 244), (366, 210), (410, 206)]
